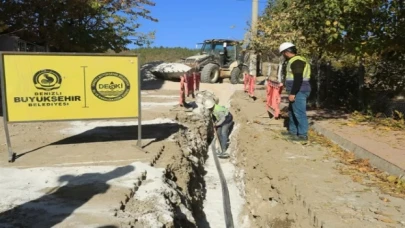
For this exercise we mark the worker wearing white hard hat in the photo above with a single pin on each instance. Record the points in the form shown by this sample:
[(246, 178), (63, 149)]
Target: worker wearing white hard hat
[(285, 46), (223, 121), (298, 73)]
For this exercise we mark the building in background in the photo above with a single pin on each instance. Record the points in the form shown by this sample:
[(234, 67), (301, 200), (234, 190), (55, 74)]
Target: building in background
[(14, 43)]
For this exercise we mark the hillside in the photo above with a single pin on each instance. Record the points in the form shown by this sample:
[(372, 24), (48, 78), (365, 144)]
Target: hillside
[(163, 54)]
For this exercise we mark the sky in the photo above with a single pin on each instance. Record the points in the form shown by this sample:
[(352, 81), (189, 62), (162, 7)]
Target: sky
[(184, 23)]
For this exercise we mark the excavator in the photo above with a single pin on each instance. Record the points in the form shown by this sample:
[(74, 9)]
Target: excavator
[(217, 59)]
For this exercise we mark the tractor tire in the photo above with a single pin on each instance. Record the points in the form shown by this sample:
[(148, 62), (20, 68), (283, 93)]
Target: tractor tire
[(237, 74), (210, 73)]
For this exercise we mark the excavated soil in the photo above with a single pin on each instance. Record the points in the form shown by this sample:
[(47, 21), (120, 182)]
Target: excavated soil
[(159, 185), (293, 185), (110, 181), (179, 203)]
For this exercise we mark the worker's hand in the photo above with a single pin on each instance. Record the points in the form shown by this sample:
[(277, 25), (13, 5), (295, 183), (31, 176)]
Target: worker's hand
[(291, 98)]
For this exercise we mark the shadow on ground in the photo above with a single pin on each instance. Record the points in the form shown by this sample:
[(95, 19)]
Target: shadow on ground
[(325, 114), (154, 84), (157, 132), (58, 204), (315, 114)]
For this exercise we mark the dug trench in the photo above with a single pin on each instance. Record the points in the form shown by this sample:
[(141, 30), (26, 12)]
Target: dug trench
[(172, 192), (283, 184)]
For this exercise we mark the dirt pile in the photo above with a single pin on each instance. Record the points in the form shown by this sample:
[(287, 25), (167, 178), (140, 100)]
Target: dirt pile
[(146, 70), (201, 97), (173, 191), (293, 185)]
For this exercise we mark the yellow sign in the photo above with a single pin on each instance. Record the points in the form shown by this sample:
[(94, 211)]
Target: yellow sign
[(49, 86)]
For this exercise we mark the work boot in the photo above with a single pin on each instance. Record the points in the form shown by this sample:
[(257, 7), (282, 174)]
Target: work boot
[(296, 137), (302, 138), (287, 133), (299, 139), (223, 155)]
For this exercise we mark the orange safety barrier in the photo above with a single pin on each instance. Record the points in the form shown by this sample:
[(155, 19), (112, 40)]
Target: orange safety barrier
[(182, 91), (249, 82), (197, 79), (188, 84), (246, 82), (273, 100)]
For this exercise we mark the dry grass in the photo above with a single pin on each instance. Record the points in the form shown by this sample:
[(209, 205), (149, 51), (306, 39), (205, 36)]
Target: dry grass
[(378, 121), (360, 170)]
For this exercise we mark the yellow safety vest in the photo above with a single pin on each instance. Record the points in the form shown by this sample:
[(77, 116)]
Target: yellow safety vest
[(307, 70), (220, 112)]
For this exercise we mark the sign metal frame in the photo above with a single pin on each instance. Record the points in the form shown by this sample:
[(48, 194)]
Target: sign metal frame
[(12, 155)]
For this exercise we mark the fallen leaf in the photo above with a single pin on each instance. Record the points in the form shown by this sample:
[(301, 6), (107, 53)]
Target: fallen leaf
[(384, 199), (350, 124), (391, 179), (363, 169), (386, 220), (357, 179), (385, 128)]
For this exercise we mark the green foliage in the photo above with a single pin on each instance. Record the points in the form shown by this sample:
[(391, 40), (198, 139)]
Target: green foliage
[(345, 32), (3, 27), (165, 54), (77, 25), (334, 27)]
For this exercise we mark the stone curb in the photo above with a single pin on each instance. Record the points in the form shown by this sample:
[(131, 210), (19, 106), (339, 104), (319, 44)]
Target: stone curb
[(360, 152)]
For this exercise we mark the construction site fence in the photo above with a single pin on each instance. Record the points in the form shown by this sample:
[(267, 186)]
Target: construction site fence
[(273, 97), (249, 82), (189, 83)]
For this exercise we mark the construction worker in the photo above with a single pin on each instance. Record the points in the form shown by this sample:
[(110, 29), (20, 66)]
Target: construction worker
[(223, 121), (298, 72)]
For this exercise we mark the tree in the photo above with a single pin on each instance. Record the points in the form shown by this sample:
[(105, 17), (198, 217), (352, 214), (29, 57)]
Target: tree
[(348, 33), (78, 25), (3, 27)]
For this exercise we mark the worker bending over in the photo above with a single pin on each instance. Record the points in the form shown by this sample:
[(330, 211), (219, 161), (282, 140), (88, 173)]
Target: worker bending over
[(298, 73), (223, 121)]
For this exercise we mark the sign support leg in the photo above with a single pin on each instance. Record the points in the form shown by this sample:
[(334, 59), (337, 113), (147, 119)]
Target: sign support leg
[(11, 155), (139, 143)]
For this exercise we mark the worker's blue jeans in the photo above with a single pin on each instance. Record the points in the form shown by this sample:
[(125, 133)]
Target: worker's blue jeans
[(223, 132), (297, 114)]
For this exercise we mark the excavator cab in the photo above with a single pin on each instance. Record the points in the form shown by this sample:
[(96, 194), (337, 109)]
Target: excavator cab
[(217, 59), (224, 52)]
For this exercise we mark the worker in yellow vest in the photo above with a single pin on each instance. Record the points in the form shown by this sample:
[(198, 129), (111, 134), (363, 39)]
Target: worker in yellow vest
[(223, 120), (298, 73)]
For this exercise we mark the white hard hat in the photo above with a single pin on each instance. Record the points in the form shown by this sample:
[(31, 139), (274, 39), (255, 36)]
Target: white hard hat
[(285, 46), (209, 103)]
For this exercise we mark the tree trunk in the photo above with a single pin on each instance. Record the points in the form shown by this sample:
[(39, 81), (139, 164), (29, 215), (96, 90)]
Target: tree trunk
[(360, 93), (318, 83)]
